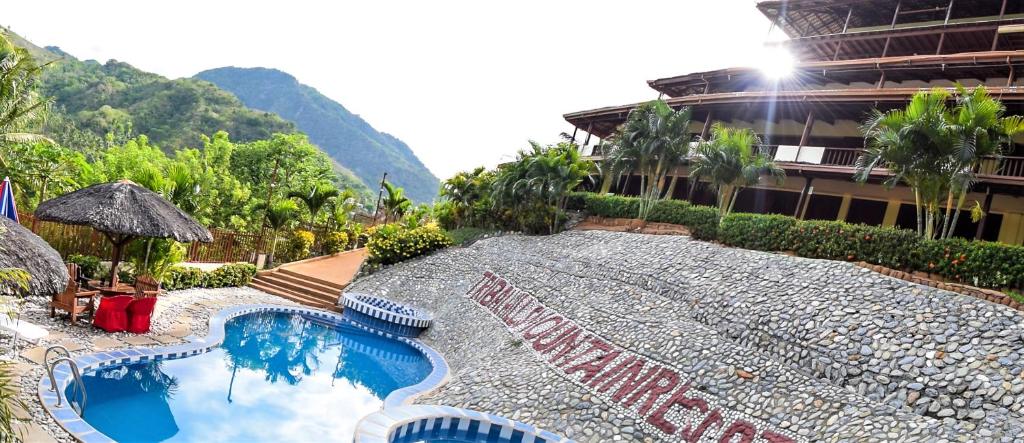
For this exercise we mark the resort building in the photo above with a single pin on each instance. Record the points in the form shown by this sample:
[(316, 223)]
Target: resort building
[(852, 56)]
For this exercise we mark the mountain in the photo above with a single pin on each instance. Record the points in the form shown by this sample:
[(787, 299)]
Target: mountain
[(341, 134), (114, 97)]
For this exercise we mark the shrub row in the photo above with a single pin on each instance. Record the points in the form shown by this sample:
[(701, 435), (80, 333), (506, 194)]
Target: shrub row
[(234, 274), (702, 221), (395, 242), (977, 263)]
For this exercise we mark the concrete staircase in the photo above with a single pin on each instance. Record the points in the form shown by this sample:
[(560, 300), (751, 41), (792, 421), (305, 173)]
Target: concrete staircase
[(302, 289)]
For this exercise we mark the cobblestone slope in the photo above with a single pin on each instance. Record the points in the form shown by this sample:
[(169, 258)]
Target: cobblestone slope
[(797, 349)]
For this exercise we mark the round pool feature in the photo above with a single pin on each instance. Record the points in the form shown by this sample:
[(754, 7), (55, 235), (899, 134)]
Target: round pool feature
[(384, 315), (446, 424)]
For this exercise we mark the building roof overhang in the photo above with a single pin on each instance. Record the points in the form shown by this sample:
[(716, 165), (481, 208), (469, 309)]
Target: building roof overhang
[(975, 65), (829, 105)]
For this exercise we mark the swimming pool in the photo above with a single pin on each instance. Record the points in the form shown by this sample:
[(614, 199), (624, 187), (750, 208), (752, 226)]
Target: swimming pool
[(276, 376)]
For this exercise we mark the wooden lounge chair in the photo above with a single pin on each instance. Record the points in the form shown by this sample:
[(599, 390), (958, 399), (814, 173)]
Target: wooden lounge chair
[(74, 301), (146, 286)]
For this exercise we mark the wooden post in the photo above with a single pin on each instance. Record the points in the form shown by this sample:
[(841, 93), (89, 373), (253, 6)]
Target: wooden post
[(805, 135), (1010, 78), (881, 81), (846, 25), (995, 38), (707, 126), (586, 141), (985, 207), (573, 140), (799, 212), (380, 194), (808, 124), (942, 39), (895, 15), (230, 239)]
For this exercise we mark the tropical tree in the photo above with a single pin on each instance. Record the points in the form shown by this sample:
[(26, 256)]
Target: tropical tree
[(936, 150), (315, 197), (732, 159), (395, 202), (654, 140), (21, 107), (980, 130), (279, 214), (343, 207), (539, 181)]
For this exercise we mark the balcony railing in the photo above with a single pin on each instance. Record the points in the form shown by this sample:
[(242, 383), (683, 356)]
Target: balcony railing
[(1006, 166)]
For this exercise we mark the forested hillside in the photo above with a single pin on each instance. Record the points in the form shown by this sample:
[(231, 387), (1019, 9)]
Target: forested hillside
[(344, 136), (94, 101)]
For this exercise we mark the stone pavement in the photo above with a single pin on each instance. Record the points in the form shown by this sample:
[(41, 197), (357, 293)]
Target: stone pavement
[(723, 341)]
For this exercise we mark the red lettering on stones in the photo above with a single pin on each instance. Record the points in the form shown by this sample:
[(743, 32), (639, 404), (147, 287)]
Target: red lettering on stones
[(744, 430)]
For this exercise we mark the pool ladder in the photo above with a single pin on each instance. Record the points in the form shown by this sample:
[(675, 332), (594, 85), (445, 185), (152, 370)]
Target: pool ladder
[(79, 384)]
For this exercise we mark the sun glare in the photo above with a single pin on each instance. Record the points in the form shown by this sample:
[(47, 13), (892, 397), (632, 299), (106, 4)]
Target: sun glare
[(776, 63)]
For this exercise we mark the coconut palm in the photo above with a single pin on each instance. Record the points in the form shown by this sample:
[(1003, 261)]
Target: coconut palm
[(653, 140), (316, 196), (395, 202), (343, 206), (279, 215), (541, 177), (732, 160)]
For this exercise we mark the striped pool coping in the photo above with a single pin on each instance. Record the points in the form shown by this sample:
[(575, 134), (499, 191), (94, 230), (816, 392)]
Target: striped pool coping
[(410, 423), (82, 431), (384, 309)]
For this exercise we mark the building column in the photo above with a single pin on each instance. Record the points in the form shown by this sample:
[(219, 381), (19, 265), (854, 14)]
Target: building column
[(707, 126), (586, 141), (892, 212), (1009, 232), (844, 207)]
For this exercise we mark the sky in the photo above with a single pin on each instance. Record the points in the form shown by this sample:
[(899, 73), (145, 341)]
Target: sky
[(464, 83)]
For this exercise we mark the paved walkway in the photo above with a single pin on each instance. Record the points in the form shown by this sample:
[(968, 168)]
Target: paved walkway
[(338, 269)]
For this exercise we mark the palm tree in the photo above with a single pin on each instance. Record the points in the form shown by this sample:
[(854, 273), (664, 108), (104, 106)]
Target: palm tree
[(315, 197), (279, 215), (395, 203), (541, 176), (981, 131), (936, 150), (21, 107), (343, 206), (653, 140), (732, 160)]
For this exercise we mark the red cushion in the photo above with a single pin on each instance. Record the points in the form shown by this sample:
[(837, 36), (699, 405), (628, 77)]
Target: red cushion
[(111, 315), (139, 313)]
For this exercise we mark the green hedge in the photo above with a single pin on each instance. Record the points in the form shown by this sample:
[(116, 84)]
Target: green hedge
[(889, 247), (701, 220), (754, 231), (978, 263), (234, 274)]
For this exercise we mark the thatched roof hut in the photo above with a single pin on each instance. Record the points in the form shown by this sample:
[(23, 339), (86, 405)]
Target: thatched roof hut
[(123, 211), (20, 248), (123, 208)]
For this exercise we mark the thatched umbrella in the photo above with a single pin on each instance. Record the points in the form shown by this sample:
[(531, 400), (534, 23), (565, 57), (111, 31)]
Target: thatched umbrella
[(123, 211), (20, 248)]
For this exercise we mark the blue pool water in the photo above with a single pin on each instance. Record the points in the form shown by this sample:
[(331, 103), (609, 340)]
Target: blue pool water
[(277, 377)]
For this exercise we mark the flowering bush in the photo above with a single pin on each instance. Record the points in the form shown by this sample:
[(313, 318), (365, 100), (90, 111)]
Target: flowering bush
[(296, 246), (393, 242), (889, 247), (335, 242)]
